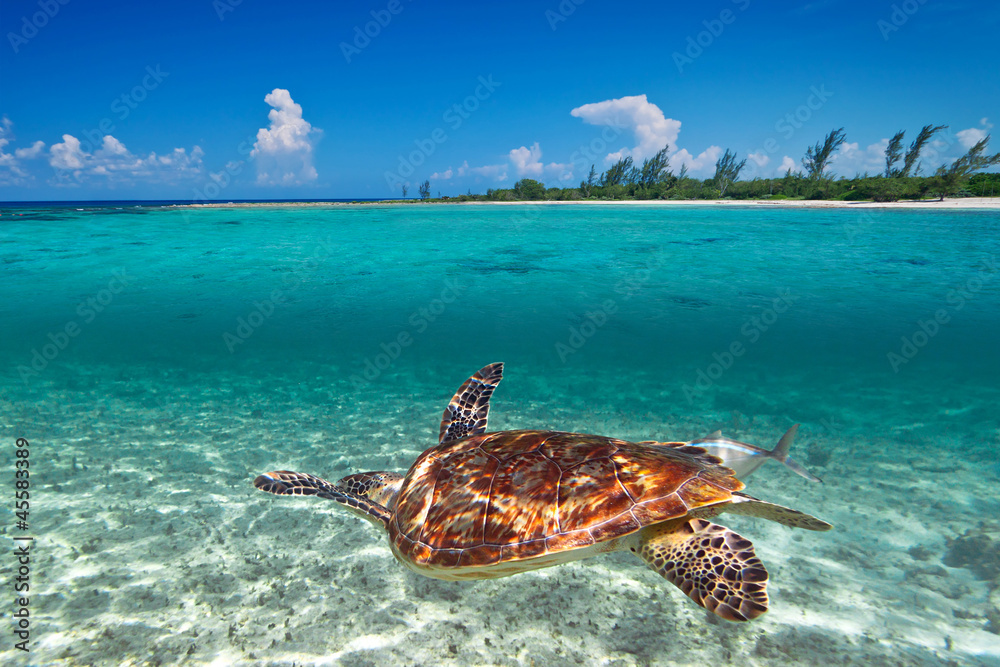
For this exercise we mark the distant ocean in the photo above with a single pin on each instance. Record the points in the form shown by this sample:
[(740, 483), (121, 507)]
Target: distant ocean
[(158, 357), (146, 203)]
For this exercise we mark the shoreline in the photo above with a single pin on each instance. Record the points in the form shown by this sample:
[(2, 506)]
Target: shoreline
[(970, 203)]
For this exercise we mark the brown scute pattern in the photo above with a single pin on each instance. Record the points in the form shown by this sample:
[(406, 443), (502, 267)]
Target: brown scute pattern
[(469, 409), (566, 541), (509, 444), (657, 509), (523, 550), (569, 449), (623, 524), (590, 494), (647, 473), (416, 494), (289, 483), (698, 492), (479, 556), (698, 452), (457, 514), (517, 495), (523, 500), (714, 566)]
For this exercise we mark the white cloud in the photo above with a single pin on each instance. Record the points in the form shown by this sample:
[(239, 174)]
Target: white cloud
[(496, 172), (786, 164), (67, 155), (703, 164), (652, 131), (527, 161), (644, 119), (114, 163), (974, 135), (442, 175), (850, 159), (30, 153), (760, 159), (10, 171), (283, 151)]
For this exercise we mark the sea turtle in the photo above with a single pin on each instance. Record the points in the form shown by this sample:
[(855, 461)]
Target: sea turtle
[(482, 505)]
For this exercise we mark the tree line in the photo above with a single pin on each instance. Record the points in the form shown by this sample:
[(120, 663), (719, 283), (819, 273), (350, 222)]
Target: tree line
[(654, 179)]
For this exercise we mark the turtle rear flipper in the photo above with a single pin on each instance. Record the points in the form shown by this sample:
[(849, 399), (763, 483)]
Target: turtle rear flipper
[(750, 506), (714, 566), (288, 483)]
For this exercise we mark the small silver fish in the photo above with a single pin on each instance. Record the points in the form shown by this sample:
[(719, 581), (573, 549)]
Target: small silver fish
[(744, 458)]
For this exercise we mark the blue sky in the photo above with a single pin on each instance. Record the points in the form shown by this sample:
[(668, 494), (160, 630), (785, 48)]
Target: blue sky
[(227, 99)]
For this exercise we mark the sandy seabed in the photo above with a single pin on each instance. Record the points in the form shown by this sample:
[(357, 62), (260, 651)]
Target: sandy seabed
[(153, 548)]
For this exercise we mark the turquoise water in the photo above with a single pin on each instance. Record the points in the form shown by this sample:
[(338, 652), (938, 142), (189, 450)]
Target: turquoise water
[(158, 358)]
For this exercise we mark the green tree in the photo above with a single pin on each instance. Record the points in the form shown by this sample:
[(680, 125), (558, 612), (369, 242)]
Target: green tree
[(655, 169), (405, 190), (619, 173), (949, 179), (587, 186), (893, 152), (425, 190), (727, 171), (528, 188), (913, 153), (818, 156)]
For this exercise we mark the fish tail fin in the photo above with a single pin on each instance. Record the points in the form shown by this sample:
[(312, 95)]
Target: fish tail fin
[(780, 453), (795, 467)]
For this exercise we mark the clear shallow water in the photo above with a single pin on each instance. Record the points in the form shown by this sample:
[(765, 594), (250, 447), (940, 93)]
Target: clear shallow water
[(177, 352)]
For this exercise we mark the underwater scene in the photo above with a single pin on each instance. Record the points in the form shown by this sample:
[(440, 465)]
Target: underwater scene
[(156, 360)]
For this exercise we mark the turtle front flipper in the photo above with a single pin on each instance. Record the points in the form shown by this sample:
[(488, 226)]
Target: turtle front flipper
[(469, 409), (288, 483), (714, 566)]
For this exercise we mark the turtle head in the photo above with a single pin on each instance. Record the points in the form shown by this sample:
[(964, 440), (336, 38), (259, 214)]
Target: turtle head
[(380, 487)]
